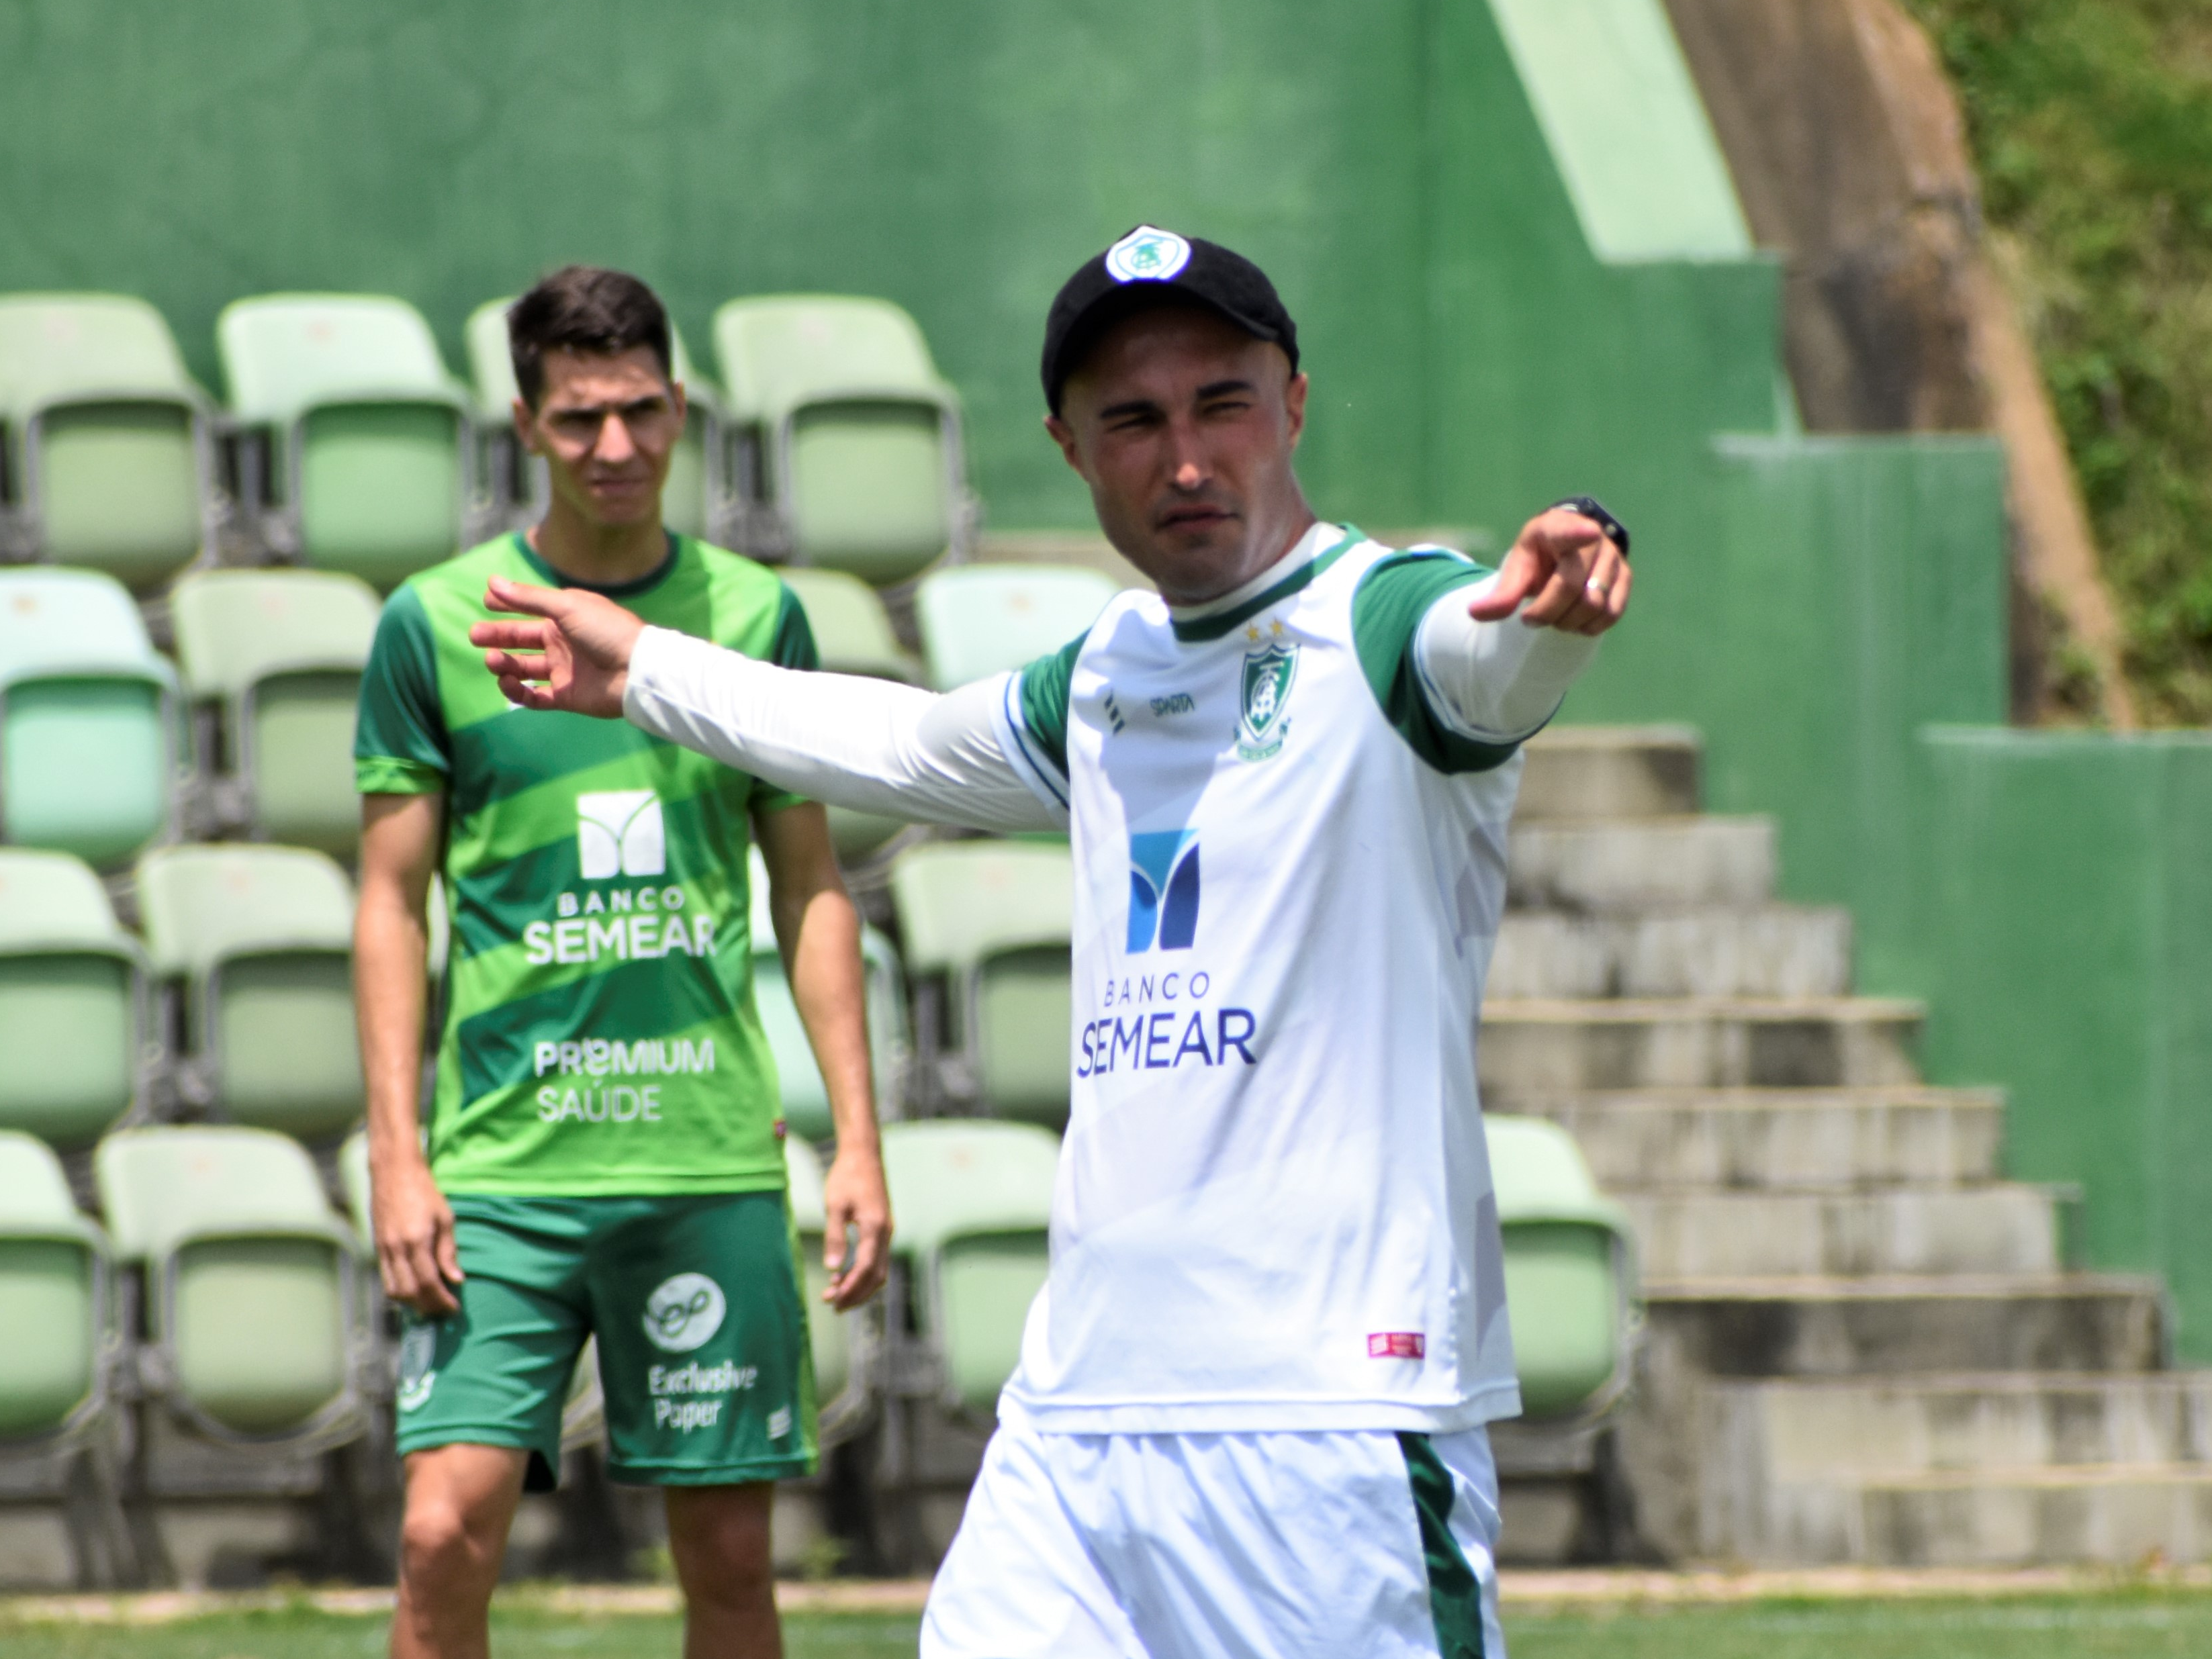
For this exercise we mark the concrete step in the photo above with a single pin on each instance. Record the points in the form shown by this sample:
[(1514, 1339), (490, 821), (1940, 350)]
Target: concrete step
[(1610, 772), (1791, 1139), (1647, 864), (1722, 1234), (1826, 1327), (1532, 1046), (1773, 951), (2116, 1515), (1861, 1428)]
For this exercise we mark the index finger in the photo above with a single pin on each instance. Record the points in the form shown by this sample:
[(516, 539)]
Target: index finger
[(501, 595)]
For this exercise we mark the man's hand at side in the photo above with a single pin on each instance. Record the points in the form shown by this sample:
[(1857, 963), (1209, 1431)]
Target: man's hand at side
[(853, 1196), (1578, 577), (576, 657), (416, 1254)]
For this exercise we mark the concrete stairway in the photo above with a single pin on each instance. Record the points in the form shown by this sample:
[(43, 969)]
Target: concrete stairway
[(1864, 1345)]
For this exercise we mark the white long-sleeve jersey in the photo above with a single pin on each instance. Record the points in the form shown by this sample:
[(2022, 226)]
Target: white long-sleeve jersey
[(1288, 813)]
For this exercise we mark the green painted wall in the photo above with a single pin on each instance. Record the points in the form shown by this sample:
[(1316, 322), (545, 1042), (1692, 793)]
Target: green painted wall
[(2069, 957), (1381, 160)]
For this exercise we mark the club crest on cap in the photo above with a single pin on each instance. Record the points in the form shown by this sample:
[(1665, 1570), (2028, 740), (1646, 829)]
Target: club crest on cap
[(1147, 254)]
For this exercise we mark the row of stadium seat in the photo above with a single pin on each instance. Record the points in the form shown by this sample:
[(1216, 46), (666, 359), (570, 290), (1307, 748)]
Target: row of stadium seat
[(227, 1290), (107, 747), (238, 1001), (346, 443)]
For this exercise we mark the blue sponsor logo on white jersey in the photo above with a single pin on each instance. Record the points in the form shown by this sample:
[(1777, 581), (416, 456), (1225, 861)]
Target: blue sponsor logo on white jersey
[(1163, 890)]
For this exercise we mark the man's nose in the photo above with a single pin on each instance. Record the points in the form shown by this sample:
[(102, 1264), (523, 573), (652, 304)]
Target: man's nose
[(1188, 454), (614, 446)]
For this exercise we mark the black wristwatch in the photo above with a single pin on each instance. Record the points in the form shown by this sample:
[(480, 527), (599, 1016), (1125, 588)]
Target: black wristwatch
[(1593, 509)]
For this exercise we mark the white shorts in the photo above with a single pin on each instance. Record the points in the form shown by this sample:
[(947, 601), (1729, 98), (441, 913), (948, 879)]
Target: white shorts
[(1159, 1546)]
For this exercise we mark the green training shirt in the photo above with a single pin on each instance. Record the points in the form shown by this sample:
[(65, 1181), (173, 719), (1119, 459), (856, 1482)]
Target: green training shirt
[(600, 1036)]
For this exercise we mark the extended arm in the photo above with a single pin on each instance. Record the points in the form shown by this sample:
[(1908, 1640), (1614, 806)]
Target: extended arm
[(413, 1224), (873, 745), (1495, 659)]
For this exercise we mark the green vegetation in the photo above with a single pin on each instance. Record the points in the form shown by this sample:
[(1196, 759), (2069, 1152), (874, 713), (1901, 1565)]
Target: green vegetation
[(2120, 1624), (2091, 121)]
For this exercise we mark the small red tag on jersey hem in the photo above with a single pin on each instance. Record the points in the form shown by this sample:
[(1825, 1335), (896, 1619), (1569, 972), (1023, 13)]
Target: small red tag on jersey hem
[(1395, 1345)]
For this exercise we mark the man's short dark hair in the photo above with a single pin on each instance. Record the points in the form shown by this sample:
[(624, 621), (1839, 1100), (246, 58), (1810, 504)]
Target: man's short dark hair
[(583, 308)]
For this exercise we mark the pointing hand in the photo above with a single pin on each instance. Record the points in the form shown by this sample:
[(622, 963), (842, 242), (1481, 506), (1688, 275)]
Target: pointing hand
[(576, 657), (1578, 576)]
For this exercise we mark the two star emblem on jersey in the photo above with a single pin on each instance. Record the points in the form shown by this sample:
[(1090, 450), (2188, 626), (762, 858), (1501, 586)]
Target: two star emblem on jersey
[(619, 832), (1147, 254), (1264, 704)]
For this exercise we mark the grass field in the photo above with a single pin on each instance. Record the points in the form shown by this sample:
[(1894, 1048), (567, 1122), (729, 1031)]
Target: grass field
[(2120, 1624)]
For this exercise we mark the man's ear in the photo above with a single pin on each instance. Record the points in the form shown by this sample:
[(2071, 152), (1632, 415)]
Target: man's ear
[(525, 427), (1064, 435), (1294, 405)]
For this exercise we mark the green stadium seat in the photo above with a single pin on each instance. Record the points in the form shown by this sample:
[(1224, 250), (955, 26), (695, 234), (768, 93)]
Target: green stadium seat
[(88, 748), (249, 1280), (362, 460), (259, 941), (106, 447), (57, 1333), (692, 499), (353, 1180), (849, 440), (806, 1096), (994, 919), (272, 661), (974, 1204), (1571, 1284), (74, 1002), (852, 633), (980, 619)]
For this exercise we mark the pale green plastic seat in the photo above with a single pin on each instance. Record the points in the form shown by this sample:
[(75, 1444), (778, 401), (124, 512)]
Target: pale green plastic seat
[(55, 1300), (353, 1178), (834, 1338), (1570, 1285), (995, 919), (88, 747), (275, 659), (853, 635), (259, 939), (74, 1009), (979, 619), (107, 441), (974, 1205), (852, 437), (806, 1096), (368, 457), (250, 1293), (692, 497)]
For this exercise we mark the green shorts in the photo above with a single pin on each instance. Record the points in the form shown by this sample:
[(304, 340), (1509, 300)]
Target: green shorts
[(695, 1301)]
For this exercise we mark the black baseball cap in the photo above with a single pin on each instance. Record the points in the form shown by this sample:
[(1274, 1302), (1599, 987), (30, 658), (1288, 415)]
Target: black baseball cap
[(1151, 266)]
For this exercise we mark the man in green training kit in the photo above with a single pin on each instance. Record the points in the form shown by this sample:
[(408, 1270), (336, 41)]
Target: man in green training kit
[(603, 1152)]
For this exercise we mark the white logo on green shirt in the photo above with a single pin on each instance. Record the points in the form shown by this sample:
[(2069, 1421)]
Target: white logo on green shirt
[(619, 833)]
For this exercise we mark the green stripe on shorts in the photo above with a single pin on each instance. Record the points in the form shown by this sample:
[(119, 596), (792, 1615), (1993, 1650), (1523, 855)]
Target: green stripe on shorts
[(1454, 1594)]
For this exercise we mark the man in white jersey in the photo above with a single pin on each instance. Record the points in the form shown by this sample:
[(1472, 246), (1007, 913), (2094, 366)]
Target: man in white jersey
[(1250, 1412)]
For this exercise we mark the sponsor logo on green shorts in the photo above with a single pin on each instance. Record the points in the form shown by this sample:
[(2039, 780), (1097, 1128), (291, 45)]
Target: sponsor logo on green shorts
[(684, 1312)]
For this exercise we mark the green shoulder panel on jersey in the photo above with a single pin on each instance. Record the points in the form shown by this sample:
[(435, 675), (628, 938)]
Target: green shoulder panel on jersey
[(1043, 701), (1387, 609), (398, 742), (601, 1036)]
